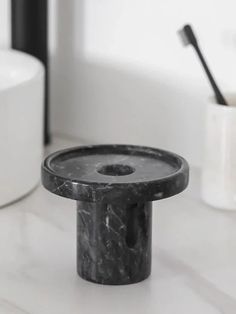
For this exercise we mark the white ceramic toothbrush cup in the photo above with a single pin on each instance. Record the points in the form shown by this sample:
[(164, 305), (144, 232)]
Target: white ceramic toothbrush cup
[(219, 168), (21, 124)]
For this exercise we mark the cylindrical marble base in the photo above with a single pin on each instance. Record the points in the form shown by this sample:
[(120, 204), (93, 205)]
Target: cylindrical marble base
[(114, 242)]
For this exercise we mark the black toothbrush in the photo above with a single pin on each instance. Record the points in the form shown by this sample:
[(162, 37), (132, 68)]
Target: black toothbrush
[(188, 38)]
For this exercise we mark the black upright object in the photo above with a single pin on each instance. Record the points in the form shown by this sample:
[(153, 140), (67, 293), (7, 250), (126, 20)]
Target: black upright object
[(189, 38), (114, 186), (29, 34)]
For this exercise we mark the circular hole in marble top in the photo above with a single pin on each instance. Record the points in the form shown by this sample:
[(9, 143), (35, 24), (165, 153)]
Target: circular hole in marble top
[(115, 170)]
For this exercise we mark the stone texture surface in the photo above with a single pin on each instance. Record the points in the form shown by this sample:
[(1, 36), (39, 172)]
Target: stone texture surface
[(114, 186), (114, 242), (78, 173)]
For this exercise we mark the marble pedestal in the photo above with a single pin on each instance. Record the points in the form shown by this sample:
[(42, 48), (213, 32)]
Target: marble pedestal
[(114, 242), (114, 186)]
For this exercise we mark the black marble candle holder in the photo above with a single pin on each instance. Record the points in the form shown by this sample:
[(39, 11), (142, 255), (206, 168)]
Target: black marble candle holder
[(114, 186)]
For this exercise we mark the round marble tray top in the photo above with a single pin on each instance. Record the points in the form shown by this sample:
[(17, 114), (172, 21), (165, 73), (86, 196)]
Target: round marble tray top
[(115, 173)]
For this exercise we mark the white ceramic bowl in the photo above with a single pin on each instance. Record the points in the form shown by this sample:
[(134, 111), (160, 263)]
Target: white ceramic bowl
[(219, 169), (21, 124)]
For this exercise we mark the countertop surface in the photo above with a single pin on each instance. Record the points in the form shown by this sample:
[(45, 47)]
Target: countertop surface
[(193, 263)]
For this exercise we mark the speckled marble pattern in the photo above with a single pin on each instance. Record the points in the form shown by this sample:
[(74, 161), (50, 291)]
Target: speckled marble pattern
[(114, 242), (76, 173), (114, 185)]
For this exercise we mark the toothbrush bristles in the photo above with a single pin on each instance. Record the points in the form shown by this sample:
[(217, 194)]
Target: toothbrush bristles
[(183, 37)]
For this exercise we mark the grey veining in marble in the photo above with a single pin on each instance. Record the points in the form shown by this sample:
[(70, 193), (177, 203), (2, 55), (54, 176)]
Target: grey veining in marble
[(114, 186), (114, 242)]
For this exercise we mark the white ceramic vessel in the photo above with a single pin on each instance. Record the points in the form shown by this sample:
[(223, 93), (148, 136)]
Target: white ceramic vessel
[(219, 169), (21, 124)]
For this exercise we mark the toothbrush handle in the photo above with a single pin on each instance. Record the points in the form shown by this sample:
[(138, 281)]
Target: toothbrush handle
[(219, 97)]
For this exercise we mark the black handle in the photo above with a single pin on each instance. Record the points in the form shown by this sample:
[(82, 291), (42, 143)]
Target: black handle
[(219, 97), (30, 34)]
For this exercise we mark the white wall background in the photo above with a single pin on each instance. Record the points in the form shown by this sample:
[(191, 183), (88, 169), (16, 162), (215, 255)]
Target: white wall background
[(120, 73)]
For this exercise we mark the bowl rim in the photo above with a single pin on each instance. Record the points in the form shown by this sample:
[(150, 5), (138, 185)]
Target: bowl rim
[(20, 60)]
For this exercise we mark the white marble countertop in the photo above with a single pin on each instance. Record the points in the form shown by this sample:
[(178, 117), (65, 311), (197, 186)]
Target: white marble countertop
[(193, 268)]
